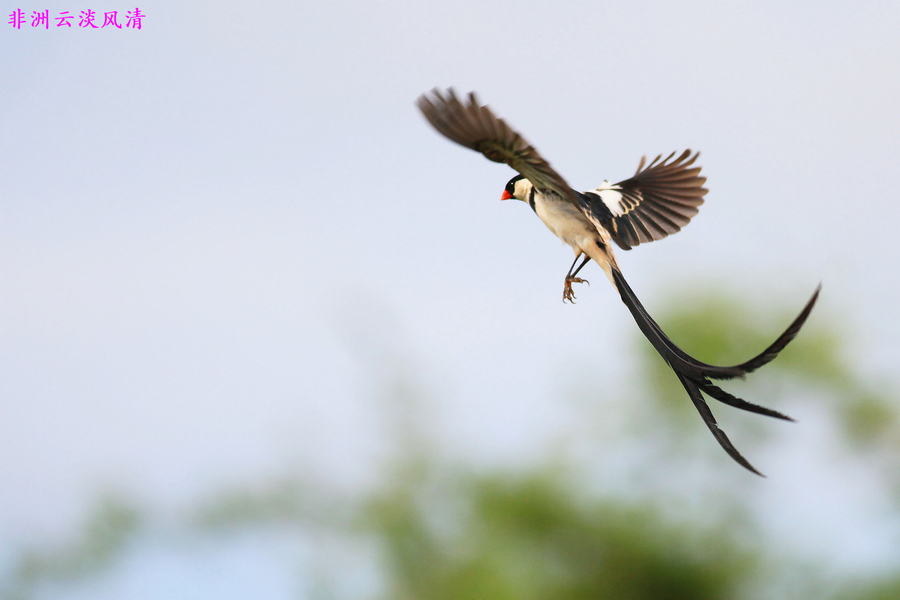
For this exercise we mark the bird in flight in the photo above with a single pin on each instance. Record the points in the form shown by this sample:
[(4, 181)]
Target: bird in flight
[(658, 200)]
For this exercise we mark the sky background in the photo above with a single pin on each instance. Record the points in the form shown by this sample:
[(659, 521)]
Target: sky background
[(219, 232)]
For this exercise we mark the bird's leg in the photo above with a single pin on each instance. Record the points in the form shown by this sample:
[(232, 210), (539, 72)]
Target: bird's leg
[(568, 294)]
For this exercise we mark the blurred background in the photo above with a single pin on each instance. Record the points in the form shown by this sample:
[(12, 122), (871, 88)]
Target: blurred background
[(265, 334)]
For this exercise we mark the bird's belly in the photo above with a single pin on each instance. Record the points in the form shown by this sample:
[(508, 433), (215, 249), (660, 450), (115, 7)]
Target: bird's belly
[(566, 222)]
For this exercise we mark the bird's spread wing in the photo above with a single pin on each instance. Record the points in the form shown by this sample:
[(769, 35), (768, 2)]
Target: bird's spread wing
[(474, 126), (657, 201)]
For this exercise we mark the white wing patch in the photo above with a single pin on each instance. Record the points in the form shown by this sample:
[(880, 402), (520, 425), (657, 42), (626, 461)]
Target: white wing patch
[(611, 197)]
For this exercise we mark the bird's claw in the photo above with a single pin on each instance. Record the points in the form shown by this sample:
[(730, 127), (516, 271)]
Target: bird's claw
[(568, 293)]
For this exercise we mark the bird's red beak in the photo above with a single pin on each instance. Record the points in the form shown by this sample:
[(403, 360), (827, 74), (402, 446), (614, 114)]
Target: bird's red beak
[(506, 196)]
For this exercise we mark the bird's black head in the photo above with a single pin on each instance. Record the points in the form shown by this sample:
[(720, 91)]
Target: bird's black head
[(509, 192)]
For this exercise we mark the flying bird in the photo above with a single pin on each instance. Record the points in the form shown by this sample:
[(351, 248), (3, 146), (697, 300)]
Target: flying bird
[(658, 200)]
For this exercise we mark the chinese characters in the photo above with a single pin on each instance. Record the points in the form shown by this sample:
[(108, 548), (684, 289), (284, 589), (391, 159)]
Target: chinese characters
[(86, 19)]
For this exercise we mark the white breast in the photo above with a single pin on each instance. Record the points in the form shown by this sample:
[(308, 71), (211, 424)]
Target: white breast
[(565, 220)]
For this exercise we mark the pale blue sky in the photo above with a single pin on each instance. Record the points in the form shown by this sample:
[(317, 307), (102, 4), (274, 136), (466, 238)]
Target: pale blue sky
[(211, 229)]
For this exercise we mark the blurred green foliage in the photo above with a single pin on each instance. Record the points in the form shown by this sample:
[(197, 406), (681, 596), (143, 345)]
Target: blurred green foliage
[(112, 525), (544, 533), (533, 537)]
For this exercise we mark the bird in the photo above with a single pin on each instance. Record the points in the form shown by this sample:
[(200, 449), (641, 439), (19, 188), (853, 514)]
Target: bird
[(657, 201)]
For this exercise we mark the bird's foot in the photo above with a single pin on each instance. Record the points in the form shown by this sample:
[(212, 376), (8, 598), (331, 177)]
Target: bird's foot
[(568, 294)]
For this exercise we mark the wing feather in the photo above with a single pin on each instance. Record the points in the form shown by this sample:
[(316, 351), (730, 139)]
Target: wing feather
[(474, 126), (657, 201)]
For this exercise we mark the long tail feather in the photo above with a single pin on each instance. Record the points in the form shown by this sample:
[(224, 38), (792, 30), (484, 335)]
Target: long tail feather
[(784, 339), (708, 418), (724, 397), (674, 356), (694, 374), (668, 349)]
